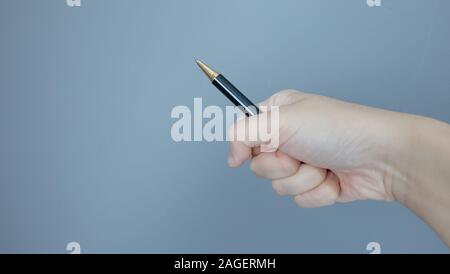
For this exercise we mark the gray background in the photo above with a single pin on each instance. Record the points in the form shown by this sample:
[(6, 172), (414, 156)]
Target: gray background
[(85, 99)]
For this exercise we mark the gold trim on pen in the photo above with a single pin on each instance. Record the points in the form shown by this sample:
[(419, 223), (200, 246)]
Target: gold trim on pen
[(207, 70)]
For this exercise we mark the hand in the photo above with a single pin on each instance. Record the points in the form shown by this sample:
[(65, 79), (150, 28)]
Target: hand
[(330, 151), (333, 151)]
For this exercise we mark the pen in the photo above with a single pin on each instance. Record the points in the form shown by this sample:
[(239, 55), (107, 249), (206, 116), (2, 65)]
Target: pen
[(229, 90)]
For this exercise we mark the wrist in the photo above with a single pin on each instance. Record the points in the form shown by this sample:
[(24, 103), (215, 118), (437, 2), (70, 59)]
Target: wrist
[(422, 160), (422, 171), (401, 160)]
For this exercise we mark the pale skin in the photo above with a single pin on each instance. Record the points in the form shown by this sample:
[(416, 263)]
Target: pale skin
[(334, 151)]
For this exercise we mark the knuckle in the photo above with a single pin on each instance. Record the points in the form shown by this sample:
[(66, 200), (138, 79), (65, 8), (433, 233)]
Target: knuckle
[(320, 174), (287, 91), (290, 167), (330, 192)]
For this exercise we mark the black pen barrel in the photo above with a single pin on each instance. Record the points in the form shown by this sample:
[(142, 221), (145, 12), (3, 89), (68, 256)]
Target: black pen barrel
[(235, 96)]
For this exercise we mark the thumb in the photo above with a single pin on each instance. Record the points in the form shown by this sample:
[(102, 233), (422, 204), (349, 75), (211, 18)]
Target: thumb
[(240, 143), (255, 131)]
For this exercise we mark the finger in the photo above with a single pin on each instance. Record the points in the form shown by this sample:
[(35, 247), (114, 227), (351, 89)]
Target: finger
[(323, 195), (238, 154), (240, 145), (244, 136), (306, 178), (274, 165)]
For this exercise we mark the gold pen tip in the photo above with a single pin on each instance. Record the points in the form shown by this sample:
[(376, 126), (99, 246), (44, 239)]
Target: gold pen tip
[(207, 70)]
